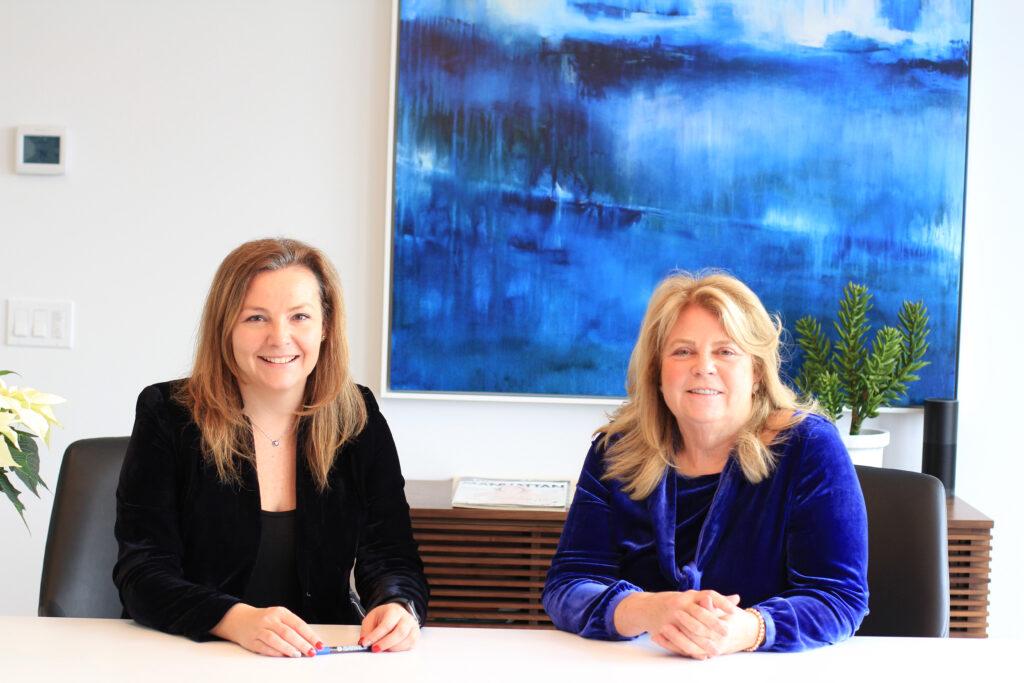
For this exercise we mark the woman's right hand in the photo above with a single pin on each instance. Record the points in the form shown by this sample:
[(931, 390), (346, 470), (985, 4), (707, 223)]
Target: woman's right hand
[(270, 631), (687, 623)]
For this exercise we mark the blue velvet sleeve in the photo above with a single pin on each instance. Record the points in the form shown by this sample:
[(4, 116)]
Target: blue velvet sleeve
[(826, 547), (583, 587)]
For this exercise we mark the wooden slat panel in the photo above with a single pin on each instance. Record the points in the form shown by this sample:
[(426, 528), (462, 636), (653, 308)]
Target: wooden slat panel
[(521, 516), (517, 538), (433, 548), (533, 595), (530, 572), (489, 561), (468, 527), (970, 546), (493, 616), (973, 571), (955, 605), (982, 613), (480, 604), (488, 581)]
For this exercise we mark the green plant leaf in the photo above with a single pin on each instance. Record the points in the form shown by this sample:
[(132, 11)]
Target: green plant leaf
[(830, 395), (28, 463), (914, 326), (913, 332), (8, 372), (12, 494), (877, 374), (851, 328), (816, 348)]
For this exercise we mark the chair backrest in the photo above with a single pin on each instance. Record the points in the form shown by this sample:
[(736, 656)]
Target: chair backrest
[(908, 557), (80, 546)]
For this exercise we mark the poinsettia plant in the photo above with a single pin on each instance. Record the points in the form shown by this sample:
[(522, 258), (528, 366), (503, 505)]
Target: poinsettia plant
[(25, 415)]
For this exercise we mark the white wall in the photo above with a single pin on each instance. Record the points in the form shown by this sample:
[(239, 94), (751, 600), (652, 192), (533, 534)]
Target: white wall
[(199, 124)]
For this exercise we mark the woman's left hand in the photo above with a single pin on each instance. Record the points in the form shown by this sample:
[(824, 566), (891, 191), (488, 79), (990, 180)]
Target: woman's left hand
[(741, 630), (389, 628)]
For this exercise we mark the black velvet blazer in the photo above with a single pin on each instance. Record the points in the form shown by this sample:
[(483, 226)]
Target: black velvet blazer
[(187, 542)]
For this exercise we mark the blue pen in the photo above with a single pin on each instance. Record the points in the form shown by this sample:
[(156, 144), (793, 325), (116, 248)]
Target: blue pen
[(342, 649)]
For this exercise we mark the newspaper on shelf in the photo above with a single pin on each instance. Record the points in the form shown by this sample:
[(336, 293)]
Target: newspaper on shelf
[(510, 494)]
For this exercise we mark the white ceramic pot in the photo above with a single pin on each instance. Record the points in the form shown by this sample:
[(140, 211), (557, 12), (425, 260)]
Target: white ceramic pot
[(866, 448)]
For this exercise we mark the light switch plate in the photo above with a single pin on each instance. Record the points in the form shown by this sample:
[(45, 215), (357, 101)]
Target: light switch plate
[(35, 322)]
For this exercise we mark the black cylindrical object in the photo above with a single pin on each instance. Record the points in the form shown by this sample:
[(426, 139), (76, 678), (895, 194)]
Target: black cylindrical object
[(938, 457)]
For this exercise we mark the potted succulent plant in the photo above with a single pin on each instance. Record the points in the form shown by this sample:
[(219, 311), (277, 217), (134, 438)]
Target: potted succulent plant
[(849, 374), (25, 415)]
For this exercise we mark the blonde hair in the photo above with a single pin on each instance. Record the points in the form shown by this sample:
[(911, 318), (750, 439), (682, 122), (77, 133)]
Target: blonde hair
[(646, 434), (333, 410)]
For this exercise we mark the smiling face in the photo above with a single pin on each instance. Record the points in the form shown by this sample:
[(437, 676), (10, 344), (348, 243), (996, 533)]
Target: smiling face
[(276, 338), (707, 380)]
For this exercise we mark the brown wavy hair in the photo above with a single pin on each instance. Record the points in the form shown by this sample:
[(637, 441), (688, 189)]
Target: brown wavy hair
[(647, 431), (332, 412)]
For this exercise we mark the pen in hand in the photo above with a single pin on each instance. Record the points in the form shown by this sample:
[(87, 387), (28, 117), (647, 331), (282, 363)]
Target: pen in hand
[(342, 649)]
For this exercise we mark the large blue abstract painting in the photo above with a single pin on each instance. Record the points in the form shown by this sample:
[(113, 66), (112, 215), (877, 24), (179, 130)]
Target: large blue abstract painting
[(553, 160)]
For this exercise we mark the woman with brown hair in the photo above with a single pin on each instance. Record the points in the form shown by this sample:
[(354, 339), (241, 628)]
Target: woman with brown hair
[(714, 511), (250, 488)]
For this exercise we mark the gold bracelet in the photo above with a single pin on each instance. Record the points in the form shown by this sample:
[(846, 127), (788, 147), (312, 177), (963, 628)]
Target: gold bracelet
[(760, 629)]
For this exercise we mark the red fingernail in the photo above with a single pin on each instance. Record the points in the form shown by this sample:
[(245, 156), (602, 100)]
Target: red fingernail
[(319, 645), (310, 653), (376, 648)]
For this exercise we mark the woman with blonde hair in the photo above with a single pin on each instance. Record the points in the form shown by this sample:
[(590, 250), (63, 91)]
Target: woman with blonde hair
[(714, 511), (250, 488)]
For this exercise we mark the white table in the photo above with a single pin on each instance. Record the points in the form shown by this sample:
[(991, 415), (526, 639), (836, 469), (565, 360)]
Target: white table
[(41, 649)]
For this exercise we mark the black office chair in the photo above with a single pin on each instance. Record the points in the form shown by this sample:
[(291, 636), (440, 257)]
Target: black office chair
[(80, 546), (908, 561)]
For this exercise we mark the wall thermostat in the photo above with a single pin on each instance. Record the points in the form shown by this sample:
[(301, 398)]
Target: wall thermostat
[(41, 150)]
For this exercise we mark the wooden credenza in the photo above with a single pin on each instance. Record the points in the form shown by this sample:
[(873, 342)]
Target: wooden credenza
[(487, 567), (970, 547)]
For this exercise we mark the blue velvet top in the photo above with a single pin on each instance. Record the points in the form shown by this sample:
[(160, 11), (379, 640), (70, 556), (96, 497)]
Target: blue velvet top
[(794, 546)]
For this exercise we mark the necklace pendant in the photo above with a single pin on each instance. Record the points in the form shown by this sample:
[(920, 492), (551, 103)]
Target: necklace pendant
[(275, 443)]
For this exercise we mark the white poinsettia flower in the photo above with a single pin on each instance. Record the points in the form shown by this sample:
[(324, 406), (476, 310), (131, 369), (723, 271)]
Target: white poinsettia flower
[(24, 413), (39, 402), (31, 407), (6, 460), (6, 420), (7, 432), (40, 398)]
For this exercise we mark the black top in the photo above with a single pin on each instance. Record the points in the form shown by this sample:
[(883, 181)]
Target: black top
[(693, 500), (274, 580), (188, 542)]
